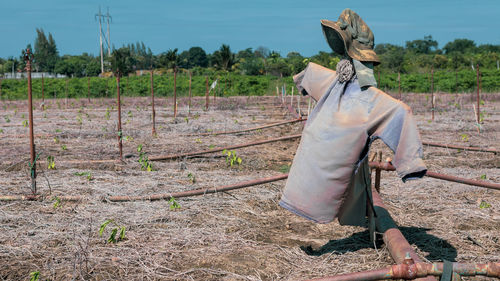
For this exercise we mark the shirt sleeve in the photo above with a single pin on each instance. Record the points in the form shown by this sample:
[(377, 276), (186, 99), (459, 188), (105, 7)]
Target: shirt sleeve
[(314, 80), (398, 130)]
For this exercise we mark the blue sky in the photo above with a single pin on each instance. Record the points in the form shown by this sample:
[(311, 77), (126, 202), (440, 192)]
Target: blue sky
[(283, 26)]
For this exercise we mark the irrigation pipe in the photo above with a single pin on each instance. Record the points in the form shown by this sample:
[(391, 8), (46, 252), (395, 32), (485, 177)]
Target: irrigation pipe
[(247, 130), (419, 269), (389, 167), (201, 152), (155, 197), (469, 148)]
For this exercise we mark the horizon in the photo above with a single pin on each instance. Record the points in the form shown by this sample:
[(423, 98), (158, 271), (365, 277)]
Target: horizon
[(282, 26)]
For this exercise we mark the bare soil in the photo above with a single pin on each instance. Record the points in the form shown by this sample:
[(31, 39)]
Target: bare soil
[(237, 235)]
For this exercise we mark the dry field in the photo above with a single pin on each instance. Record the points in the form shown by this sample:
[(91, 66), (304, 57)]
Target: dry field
[(237, 235)]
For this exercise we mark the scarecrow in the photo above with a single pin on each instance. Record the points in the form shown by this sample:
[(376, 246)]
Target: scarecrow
[(330, 176)]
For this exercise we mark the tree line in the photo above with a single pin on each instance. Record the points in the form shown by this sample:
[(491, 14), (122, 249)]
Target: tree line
[(417, 56)]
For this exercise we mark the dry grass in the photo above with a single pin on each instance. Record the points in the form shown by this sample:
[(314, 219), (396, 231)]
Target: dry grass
[(241, 235)]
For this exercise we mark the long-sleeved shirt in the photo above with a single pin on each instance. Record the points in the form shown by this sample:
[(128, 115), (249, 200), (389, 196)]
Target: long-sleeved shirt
[(329, 176)]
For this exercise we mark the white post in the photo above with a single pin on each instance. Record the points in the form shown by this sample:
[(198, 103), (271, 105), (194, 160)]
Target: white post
[(291, 98), (298, 103)]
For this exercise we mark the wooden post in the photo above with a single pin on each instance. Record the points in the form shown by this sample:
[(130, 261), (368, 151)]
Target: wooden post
[(432, 93), (67, 94), (478, 97), (153, 131), (189, 99), (399, 85), (43, 95), (175, 93), (120, 133), (88, 89), (28, 57), (206, 93), (1, 88), (216, 88)]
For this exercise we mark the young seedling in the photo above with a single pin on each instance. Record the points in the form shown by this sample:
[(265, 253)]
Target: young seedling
[(198, 140), (231, 158), (107, 115), (129, 114), (146, 165), (51, 163), (88, 175), (465, 137), (63, 147), (484, 205), (25, 123), (34, 276), (114, 231), (7, 118), (173, 204), (192, 178), (57, 202)]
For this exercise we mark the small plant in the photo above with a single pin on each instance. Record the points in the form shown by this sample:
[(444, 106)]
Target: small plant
[(284, 168), (211, 146), (129, 114), (34, 276), (484, 205), (464, 137), (79, 119), (262, 108), (112, 236), (191, 178), (196, 116), (128, 138), (23, 116), (63, 147), (186, 119), (88, 175), (231, 158), (58, 130), (7, 119), (483, 177), (51, 163), (57, 202), (235, 121), (173, 204), (198, 140), (107, 114), (1, 131), (25, 123), (146, 165)]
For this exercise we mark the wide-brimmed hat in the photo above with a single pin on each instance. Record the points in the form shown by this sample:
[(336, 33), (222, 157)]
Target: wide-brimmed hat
[(350, 35)]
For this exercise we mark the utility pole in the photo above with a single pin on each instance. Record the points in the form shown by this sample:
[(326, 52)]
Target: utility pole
[(99, 16), (108, 17)]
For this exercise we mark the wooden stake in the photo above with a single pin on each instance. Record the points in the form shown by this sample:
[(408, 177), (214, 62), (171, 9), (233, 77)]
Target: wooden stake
[(153, 131), (206, 92), (28, 57), (189, 100), (43, 95), (120, 133), (432, 93), (88, 89), (478, 97), (175, 93)]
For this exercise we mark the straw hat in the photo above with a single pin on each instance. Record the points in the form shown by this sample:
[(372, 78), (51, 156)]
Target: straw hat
[(350, 33)]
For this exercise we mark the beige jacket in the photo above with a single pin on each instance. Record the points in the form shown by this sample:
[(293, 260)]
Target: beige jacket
[(329, 176)]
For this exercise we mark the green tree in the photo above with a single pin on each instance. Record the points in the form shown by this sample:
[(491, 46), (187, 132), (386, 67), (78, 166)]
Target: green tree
[(223, 58), (122, 61), (459, 45), (425, 46), (169, 59), (46, 54)]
